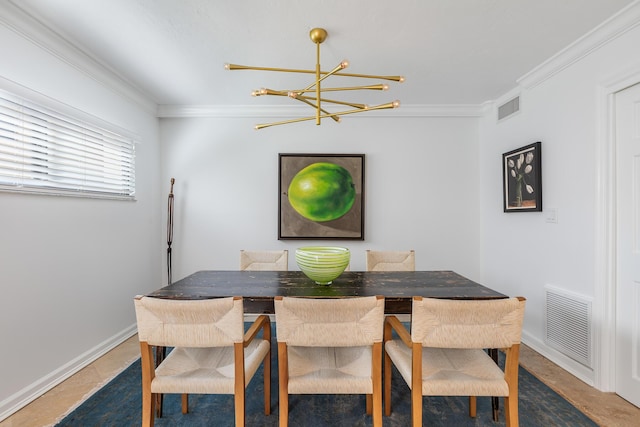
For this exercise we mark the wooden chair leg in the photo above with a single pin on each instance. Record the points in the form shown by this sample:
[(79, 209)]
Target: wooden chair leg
[(495, 401), (511, 375), (267, 383), (511, 411), (148, 409), (376, 375), (158, 398), (416, 385), (472, 406), (239, 409), (283, 384), (161, 353), (239, 383), (416, 409), (377, 407), (387, 384), (149, 399), (185, 403), (284, 410)]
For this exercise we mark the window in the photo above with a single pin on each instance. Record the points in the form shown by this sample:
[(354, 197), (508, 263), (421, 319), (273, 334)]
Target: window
[(47, 152)]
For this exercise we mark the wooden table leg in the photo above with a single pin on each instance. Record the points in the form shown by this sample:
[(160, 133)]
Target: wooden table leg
[(160, 354), (495, 401)]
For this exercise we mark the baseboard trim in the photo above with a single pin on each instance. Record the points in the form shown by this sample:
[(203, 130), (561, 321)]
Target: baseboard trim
[(576, 369), (28, 394)]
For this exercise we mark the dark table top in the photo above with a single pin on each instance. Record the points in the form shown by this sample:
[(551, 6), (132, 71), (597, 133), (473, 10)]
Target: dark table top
[(258, 288)]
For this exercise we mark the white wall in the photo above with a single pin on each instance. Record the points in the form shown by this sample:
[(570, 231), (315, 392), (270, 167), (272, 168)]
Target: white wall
[(420, 187), (521, 252), (69, 267)]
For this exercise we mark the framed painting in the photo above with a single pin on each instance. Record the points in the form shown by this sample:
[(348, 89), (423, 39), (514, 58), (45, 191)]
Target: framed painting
[(522, 179), (321, 196)]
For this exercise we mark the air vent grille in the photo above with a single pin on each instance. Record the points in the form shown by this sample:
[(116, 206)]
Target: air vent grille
[(509, 108), (568, 324)]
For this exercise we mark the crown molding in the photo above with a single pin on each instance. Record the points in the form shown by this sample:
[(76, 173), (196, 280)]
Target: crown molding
[(625, 20), (278, 111), (19, 20)]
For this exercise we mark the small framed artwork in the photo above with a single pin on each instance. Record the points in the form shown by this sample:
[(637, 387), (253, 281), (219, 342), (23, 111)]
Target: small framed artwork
[(321, 196), (522, 179)]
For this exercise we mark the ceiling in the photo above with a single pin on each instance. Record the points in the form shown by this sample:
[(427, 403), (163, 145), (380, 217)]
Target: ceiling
[(461, 52)]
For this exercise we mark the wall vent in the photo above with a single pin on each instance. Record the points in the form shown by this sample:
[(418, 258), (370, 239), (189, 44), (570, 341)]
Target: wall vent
[(568, 324), (509, 108)]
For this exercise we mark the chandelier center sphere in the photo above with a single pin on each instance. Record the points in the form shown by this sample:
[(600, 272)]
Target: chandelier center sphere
[(318, 35)]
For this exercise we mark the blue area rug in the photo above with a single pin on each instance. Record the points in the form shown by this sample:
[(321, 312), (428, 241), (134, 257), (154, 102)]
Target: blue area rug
[(119, 403)]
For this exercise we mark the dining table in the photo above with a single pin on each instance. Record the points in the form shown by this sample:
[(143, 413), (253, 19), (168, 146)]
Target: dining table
[(259, 288)]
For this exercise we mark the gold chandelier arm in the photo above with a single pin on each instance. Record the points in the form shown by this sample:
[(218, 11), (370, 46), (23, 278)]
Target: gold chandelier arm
[(368, 87), (389, 105), (298, 93), (233, 67), (339, 67), (284, 122), (332, 101), (338, 89), (305, 100), (267, 91), (399, 79)]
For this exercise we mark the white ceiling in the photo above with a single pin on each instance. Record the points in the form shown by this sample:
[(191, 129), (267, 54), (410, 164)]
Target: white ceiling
[(461, 52)]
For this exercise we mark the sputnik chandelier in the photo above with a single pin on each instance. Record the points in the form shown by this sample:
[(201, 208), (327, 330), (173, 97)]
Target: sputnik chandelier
[(306, 95)]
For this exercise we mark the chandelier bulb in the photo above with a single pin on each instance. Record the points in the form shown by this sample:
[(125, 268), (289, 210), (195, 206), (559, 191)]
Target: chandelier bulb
[(385, 87), (344, 64), (401, 79), (293, 95), (227, 66), (396, 103)]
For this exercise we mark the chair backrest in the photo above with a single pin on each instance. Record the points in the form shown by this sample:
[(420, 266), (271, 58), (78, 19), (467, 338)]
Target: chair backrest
[(390, 260), (264, 260), (329, 322), (190, 323), (495, 323)]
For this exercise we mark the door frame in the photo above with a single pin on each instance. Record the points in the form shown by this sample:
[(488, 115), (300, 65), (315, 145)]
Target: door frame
[(604, 307)]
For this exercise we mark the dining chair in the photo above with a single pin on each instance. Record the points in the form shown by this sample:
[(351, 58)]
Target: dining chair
[(330, 346), (212, 353), (390, 260), (264, 260), (444, 354)]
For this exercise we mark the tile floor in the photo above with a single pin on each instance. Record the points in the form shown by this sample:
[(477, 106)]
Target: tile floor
[(606, 409)]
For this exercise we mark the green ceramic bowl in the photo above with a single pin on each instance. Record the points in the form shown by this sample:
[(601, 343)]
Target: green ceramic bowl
[(322, 264)]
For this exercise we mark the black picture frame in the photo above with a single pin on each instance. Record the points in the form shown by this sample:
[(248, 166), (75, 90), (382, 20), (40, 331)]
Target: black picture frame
[(522, 179), (293, 225)]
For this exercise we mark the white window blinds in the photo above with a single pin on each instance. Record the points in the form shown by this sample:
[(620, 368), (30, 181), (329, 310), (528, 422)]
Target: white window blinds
[(43, 151)]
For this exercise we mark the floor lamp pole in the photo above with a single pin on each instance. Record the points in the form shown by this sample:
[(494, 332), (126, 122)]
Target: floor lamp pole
[(160, 351), (169, 230)]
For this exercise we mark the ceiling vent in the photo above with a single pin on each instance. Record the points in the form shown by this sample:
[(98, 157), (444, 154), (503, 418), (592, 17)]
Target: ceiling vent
[(508, 108)]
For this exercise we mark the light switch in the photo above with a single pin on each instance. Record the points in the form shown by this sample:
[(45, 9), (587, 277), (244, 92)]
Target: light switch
[(551, 215)]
